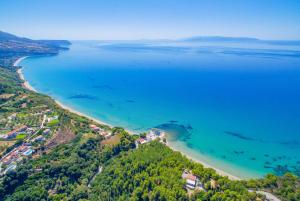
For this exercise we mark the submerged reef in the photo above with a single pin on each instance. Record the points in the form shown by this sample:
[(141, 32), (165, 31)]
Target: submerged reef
[(176, 130), (82, 96), (239, 135)]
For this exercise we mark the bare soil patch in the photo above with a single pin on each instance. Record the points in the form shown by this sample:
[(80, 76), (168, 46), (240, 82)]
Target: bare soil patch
[(113, 140), (62, 136)]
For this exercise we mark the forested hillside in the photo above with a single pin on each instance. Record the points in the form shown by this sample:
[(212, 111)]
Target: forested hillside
[(153, 172)]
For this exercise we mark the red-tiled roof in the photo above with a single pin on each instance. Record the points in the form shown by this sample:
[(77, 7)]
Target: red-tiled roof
[(190, 177), (13, 132)]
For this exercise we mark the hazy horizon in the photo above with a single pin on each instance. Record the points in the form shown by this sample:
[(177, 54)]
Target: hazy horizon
[(150, 20)]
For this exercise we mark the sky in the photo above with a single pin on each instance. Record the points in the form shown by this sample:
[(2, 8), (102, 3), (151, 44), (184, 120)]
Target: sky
[(150, 19)]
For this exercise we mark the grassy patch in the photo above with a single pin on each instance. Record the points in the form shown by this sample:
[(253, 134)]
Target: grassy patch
[(22, 115), (21, 136), (53, 122)]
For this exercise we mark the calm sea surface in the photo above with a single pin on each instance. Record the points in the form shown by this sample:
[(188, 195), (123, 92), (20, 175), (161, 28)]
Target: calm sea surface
[(234, 108)]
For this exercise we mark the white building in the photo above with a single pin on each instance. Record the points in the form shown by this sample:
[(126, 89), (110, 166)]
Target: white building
[(52, 118), (46, 131), (191, 180)]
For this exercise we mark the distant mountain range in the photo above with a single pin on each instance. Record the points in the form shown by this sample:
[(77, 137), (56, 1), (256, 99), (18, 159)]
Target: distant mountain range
[(4, 36), (13, 47), (10, 43), (222, 39), (10, 37)]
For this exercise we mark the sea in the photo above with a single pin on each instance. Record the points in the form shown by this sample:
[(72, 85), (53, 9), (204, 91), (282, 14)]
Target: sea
[(233, 105)]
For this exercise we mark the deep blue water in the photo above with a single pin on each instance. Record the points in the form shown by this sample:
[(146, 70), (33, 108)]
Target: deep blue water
[(235, 108)]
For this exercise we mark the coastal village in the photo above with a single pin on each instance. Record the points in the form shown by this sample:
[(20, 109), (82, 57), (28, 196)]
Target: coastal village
[(29, 129), (22, 134), (19, 140)]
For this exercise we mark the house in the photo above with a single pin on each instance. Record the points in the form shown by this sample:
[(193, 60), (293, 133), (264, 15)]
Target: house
[(7, 160), (11, 157), (15, 156), (141, 141), (154, 134), (52, 118), (11, 134), (151, 136), (48, 111), (11, 167), (22, 148), (46, 131), (38, 138), (105, 133), (95, 128), (3, 136), (191, 180), (21, 129), (12, 116)]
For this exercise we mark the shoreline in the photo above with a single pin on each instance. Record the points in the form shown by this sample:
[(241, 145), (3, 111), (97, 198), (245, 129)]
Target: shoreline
[(169, 144), (205, 164), (25, 83), (16, 63), (80, 113), (68, 108)]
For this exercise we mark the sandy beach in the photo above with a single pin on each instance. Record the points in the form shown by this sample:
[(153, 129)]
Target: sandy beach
[(191, 156), (26, 83), (87, 116), (81, 114), (170, 144), (19, 60), (19, 71)]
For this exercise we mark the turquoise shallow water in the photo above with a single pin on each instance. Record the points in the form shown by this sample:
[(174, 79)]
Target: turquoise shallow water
[(234, 108)]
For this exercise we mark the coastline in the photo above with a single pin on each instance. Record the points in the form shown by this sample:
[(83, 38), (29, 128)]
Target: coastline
[(25, 82), (87, 116), (205, 164), (169, 144), (81, 114), (19, 71), (16, 63)]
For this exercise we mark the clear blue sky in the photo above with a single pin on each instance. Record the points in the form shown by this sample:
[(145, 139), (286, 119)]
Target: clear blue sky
[(151, 19)]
